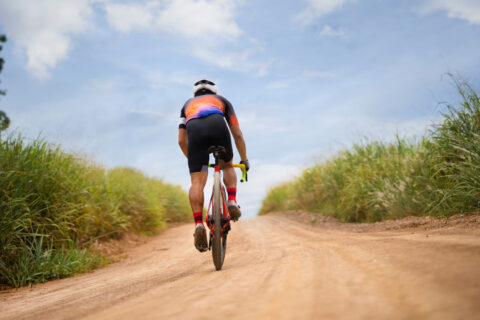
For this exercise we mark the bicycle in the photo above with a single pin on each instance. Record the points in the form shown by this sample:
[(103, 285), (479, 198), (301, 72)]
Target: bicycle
[(217, 241)]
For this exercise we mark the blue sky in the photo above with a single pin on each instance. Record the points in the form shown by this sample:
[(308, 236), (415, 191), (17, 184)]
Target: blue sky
[(107, 79)]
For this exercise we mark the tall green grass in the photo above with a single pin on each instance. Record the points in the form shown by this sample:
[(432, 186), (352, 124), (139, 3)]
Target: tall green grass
[(53, 205), (457, 154), (437, 175)]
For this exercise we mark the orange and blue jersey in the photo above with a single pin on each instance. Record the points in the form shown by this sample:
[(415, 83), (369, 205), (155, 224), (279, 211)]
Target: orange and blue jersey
[(204, 105)]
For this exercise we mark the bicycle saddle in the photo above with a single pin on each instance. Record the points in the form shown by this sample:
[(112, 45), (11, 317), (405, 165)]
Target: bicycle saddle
[(219, 150)]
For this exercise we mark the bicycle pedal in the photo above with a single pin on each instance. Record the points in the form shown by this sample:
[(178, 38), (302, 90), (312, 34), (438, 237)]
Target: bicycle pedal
[(226, 229)]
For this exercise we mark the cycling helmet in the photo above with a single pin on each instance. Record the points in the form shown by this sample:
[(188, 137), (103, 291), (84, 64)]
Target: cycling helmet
[(204, 86)]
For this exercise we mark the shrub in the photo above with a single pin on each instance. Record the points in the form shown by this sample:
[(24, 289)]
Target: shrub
[(438, 175), (53, 205)]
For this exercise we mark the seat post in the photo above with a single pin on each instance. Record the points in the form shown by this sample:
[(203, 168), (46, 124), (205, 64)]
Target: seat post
[(217, 151)]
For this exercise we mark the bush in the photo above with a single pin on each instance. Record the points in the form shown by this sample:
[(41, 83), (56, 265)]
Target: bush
[(457, 153), (277, 199), (438, 175), (53, 205)]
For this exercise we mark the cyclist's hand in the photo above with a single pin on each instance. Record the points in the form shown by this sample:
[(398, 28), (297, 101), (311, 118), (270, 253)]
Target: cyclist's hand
[(246, 163)]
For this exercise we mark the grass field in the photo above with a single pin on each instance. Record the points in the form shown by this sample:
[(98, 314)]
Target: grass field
[(54, 205), (437, 175)]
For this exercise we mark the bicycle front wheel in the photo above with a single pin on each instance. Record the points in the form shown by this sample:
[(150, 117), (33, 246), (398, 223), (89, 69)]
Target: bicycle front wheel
[(219, 243)]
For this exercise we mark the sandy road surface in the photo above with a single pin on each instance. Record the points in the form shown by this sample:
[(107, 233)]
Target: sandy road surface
[(275, 268)]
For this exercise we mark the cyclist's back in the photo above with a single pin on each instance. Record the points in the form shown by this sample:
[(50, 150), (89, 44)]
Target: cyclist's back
[(202, 117), (204, 105)]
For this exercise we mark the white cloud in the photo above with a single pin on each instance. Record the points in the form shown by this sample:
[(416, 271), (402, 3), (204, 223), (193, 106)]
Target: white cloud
[(265, 124), (209, 27), (319, 8), (317, 74), (157, 116), (279, 84), (306, 75), (43, 29), (468, 10), (160, 79), (201, 18), (328, 31), (181, 17), (128, 17), (107, 83), (238, 61)]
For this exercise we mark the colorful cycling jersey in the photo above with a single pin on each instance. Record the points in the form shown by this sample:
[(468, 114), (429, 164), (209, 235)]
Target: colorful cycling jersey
[(204, 105)]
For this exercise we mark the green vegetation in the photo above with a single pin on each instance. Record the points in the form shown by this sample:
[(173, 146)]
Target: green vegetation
[(438, 175), (54, 205), (4, 120)]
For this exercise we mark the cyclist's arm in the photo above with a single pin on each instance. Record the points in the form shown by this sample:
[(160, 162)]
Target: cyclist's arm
[(183, 141), (182, 131), (235, 129), (239, 141)]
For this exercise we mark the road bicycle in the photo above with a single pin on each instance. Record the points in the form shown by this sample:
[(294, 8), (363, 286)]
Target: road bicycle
[(218, 220)]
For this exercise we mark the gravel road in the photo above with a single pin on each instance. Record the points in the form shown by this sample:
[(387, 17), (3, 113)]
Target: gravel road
[(276, 268)]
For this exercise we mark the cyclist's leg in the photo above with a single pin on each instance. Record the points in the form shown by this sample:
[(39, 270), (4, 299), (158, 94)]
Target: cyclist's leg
[(197, 162), (220, 136), (229, 175), (230, 180), (196, 201), (197, 130), (199, 180)]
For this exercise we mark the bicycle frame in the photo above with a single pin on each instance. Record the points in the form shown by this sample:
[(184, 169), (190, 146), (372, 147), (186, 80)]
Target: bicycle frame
[(225, 212), (219, 221)]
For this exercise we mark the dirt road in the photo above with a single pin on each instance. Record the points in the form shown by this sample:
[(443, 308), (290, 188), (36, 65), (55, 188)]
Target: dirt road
[(275, 268)]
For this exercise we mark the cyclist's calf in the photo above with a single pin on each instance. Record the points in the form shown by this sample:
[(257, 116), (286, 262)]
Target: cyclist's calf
[(229, 176), (199, 179)]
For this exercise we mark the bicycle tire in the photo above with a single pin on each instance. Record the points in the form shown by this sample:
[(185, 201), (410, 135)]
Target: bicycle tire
[(218, 249), (224, 234)]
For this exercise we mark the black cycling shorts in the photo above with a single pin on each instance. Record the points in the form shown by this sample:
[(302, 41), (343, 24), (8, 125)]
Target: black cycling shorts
[(203, 133)]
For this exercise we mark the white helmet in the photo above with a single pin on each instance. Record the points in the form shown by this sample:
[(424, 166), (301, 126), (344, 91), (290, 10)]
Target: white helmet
[(205, 84)]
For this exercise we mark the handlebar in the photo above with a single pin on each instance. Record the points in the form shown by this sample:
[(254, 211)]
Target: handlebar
[(240, 166)]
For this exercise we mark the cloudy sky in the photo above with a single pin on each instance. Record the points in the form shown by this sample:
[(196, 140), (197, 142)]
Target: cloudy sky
[(107, 78)]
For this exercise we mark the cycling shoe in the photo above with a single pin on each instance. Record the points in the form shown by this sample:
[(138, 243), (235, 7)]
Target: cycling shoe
[(200, 238), (234, 210)]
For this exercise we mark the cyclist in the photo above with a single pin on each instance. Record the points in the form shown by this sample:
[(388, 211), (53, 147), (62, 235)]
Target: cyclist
[(202, 124)]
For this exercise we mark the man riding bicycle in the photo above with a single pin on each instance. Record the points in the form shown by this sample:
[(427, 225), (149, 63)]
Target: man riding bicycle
[(202, 124)]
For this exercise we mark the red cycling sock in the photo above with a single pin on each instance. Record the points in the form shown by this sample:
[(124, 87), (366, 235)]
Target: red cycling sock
[(232, 194), (198, 217)]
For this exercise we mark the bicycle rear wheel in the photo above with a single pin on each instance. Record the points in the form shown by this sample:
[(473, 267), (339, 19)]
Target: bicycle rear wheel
[(219, 242)]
